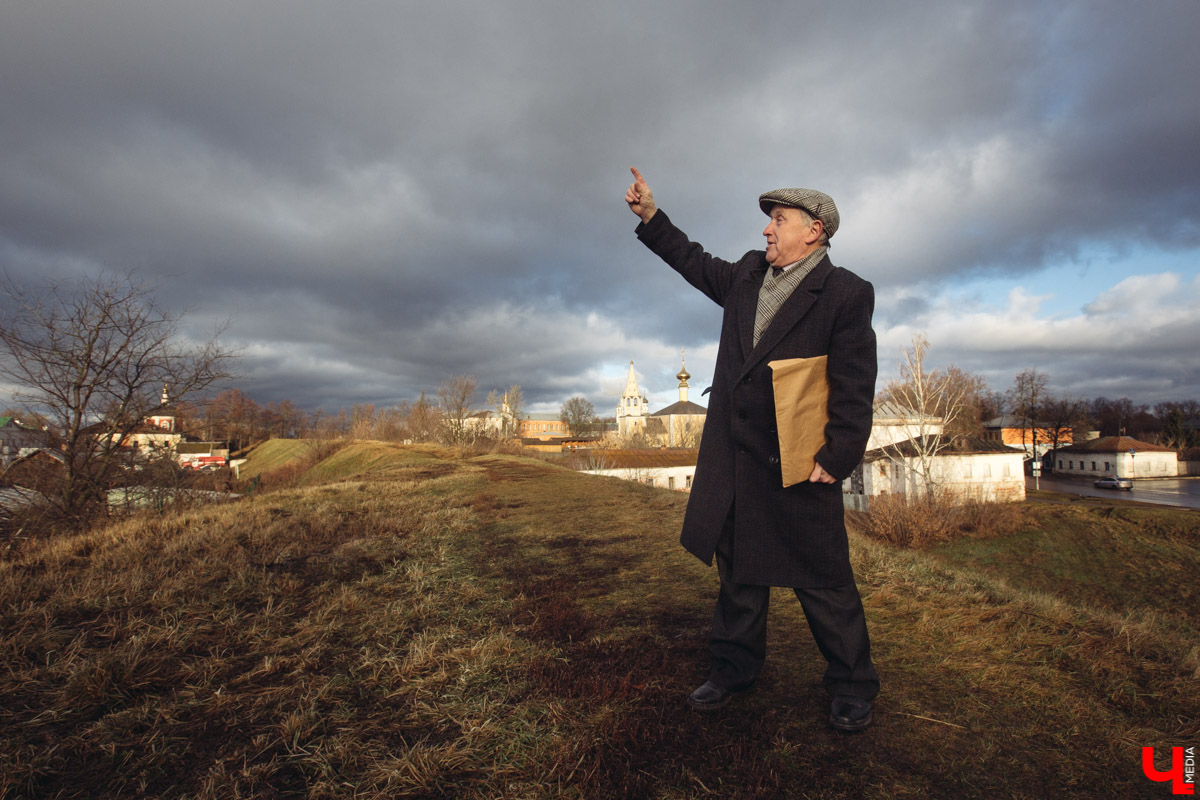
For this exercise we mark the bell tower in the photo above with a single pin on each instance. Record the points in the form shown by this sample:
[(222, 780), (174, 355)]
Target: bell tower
[(633, 409)]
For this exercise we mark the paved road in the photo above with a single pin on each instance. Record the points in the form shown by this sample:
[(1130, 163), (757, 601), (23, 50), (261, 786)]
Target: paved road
[(1164, 491)]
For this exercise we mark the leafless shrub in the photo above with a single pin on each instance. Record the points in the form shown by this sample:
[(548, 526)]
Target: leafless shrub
[(284, 477), (590, 459), (937, 517), (485, 444)]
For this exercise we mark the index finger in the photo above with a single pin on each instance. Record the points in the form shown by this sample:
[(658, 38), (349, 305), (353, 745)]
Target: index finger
[(637, 175)]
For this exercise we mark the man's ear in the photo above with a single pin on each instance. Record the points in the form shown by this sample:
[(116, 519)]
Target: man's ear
[(814, 232)]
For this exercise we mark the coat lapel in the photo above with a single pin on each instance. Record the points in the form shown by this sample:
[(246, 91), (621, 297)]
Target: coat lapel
[(788, 316), (748, 306)]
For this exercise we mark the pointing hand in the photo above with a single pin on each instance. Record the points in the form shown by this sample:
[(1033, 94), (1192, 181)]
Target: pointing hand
[(639, 197)]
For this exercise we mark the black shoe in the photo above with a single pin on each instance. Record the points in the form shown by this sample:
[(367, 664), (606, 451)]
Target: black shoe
[(850, 714), (710, 697)]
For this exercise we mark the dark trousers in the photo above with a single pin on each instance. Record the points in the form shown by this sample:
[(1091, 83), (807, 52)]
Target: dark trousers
[(835, 616)]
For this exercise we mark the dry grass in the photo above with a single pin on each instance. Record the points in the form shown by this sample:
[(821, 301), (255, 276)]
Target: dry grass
[(934, 518), (495, 627), (1114, 557)]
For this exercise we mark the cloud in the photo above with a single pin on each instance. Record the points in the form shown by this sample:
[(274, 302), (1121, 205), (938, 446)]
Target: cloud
[(1145, 296), (1136, 339), (384, 194)]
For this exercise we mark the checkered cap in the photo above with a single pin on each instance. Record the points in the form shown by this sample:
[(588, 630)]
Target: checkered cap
[(818, 205)]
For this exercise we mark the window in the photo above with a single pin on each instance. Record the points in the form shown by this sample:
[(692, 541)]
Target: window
[(987, 470), (671, 482), (687, 482), (967, 470), (1093, 466), (1060, 463), (1008, 470)]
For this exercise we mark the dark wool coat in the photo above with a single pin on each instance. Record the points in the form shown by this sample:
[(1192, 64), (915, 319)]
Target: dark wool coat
[(782, 537)]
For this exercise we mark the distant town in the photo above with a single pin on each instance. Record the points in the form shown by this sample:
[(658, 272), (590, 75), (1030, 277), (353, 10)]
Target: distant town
[(967, 439)]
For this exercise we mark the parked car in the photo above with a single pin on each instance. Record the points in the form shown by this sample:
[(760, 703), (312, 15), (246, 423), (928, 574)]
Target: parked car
[(1113, 482)]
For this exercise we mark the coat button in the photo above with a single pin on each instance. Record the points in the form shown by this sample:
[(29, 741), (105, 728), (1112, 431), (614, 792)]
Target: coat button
[(774, 460), (746, 379)]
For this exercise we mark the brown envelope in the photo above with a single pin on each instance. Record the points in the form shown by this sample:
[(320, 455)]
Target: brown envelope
[(801, 413)]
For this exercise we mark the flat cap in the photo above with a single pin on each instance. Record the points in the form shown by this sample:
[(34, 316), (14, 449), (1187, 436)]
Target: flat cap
[(818, 205)]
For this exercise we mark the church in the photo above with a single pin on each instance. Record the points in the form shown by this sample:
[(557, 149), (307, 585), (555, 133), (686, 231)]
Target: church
[(677, 425), (158, 429)]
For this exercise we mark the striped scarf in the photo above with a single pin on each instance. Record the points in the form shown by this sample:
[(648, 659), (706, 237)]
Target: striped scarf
[(775, 290)]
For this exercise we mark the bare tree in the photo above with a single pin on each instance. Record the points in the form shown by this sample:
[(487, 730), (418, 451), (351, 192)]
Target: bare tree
[(234, 417), (579, 415), (330, 427), (362, 421), (977, 400), (1189, 409), (936, 400), (1026, 398), (422, 419), (637, 440), (389, 424), (457, 396), (1178, 431), (286, 421), (1062, 413), (93, 357), (688, 433), (326, 435)]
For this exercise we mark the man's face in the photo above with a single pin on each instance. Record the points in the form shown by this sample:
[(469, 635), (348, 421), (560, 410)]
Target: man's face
[(791, 235)]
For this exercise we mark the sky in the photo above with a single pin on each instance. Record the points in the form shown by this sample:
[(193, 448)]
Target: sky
[(378, 195)]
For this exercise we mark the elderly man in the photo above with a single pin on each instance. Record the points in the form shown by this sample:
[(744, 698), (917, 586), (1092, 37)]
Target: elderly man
[(789, 302)]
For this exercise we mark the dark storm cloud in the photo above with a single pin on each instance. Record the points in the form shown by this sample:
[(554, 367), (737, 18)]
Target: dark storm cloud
[(384, 194)]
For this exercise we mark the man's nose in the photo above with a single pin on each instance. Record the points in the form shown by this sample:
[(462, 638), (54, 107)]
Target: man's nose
[(767, 229)]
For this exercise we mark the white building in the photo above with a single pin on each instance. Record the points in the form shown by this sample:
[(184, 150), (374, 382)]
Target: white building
[(1117, 455), (158, 431), (666, 469), (500, 424), (16, 436), (977, 470), (891, 424)]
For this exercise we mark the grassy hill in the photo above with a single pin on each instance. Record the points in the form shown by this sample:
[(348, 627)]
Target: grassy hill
[(311, 461), (422, 625), (274, 454)]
